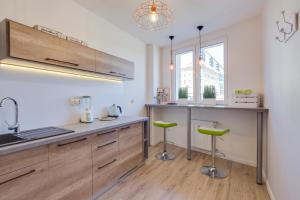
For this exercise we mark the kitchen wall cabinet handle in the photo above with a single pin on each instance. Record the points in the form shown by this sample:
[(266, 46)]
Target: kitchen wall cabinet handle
[(64, 144), (99, 134), (17, 177), (99, 147), (112, 72), (62, 62), (124, 128), (107, 164)]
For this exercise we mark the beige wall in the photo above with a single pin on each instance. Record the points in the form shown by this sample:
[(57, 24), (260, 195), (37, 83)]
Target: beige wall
[(43, 99), (282, 81)]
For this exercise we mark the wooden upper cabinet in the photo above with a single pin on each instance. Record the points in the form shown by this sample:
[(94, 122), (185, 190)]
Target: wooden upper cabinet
[(114, 66), (33, 45)]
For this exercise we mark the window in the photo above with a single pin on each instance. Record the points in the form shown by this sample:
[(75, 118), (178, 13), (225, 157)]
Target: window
[(212, 71), (189, 79), (184, 63)]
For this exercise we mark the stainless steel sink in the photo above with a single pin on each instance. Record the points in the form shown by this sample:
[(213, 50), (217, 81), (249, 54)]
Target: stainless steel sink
[(9, 139)]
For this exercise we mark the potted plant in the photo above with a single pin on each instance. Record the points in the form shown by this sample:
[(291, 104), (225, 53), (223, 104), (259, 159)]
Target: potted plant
[(209, 95), (183, 93)]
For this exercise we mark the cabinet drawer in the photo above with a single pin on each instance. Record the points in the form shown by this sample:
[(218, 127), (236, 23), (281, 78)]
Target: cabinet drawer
[(24, 184), (105, 137), (18, 160), (33, 45), (69, 150), (105, 152), (105, 174)]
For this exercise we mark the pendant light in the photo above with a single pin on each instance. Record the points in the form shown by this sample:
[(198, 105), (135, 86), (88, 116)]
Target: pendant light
[(200, 59), (171, 53)]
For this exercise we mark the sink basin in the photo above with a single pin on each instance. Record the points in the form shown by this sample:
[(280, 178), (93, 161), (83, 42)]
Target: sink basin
[(8, 139)]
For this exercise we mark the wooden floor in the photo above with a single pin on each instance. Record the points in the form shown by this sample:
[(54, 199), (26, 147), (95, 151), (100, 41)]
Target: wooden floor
[(181, 179)]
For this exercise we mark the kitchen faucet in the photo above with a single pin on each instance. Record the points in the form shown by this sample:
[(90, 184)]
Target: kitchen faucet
[(16, 125)]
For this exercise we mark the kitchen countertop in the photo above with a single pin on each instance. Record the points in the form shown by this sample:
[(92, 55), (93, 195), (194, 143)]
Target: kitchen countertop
[(224, 107), (80, 129)]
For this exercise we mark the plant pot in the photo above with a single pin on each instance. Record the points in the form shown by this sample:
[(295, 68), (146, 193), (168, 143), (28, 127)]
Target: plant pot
[(211, 102)]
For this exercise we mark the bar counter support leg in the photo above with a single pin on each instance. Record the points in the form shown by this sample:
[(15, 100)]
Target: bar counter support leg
[(260, 119), (189, 134)]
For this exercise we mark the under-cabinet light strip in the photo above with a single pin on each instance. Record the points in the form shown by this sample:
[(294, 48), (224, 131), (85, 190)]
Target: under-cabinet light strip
[(56, 72)]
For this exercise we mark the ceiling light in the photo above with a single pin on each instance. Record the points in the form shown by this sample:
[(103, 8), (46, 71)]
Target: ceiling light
[(171, 53), (200, 60), (153, 15)]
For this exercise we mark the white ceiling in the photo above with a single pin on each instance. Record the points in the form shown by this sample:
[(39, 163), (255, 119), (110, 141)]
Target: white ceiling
[(213, 14)]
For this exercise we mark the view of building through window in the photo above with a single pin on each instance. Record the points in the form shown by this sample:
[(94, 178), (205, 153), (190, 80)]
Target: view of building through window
[(185, 75), (212, 71)]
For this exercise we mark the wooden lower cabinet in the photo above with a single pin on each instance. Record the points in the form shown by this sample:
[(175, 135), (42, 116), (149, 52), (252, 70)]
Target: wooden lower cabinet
[(77, 169), (70, 170), (24, 184)]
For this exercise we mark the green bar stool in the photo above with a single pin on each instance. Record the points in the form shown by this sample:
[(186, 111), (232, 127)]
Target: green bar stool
[(165, 155), (212, 171)]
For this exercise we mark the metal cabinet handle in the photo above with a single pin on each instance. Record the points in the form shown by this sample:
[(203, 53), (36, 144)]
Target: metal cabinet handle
[(124, 128), (99, 134), (64, 144), (107, 164), (63, 62), (99, 147), (17, 177), (112, 72)]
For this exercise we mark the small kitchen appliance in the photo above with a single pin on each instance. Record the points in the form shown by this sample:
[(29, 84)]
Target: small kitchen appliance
[(86, 109), (114, 111)]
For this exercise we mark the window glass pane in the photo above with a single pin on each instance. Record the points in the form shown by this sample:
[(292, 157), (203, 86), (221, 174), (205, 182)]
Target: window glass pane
[(185, 75), (212, 71)]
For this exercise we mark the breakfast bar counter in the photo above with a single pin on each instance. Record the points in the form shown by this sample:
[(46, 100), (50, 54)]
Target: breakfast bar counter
[(260, 111)]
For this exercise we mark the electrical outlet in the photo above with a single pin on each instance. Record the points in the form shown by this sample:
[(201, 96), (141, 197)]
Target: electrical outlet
[(75, 101)]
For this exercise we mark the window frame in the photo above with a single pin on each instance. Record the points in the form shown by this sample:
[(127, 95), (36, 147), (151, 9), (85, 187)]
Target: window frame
[(195, 48), (174, 73)]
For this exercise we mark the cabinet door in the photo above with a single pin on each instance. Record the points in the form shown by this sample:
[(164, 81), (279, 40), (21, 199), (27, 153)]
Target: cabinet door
[(70, 170), (112, 65), (23, 184), (130, 147), (33, 45)]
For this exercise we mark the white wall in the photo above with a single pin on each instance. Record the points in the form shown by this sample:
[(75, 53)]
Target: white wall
[(282, 80), (153, 71), (244, 55), (43, 99), (244, 71)]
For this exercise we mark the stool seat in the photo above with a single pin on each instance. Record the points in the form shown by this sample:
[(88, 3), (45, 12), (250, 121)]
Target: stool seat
[(213, 131), (163, 124)]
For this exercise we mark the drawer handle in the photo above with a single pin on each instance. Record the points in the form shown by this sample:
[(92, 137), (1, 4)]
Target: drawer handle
[(99, 134), (59, 61), (99, 147), (64, 144), (17, 177), (124, 128), (107, 164)]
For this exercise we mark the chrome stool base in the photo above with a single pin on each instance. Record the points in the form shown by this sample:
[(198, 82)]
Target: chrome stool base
[(214, 172), (165, 156)]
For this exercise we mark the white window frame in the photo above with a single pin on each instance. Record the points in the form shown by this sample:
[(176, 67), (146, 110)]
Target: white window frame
[(197, 71), (174, 74)]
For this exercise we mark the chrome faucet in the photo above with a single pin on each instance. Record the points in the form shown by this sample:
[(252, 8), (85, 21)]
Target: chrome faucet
[(15, 127)]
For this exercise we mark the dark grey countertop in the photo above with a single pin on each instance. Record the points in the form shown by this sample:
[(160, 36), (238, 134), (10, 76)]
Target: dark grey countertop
[(222, 107), (79, 129)]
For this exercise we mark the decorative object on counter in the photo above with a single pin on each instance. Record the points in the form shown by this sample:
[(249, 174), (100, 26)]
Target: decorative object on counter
[(200, 60), (153, 15), (183, 93), (78, 41), (86, 109), (287, 29), (114, 111), (107, 118), (59, 34), (50, 31), (171, 53), (162, 95), (209, 95), (246, 98)]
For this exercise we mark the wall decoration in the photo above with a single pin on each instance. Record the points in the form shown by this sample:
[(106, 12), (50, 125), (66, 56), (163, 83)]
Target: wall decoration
[(287, 28)]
